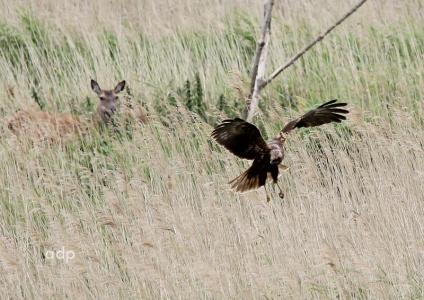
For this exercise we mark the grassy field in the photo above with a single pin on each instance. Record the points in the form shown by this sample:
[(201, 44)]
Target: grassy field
[(146, 213)]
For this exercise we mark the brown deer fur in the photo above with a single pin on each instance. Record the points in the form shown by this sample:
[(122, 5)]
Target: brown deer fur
[(54, 126)]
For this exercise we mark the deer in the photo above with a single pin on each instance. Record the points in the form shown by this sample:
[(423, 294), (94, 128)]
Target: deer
[(56, 126)]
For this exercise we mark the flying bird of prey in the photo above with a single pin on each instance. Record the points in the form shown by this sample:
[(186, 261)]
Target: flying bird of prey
[(245, 141)]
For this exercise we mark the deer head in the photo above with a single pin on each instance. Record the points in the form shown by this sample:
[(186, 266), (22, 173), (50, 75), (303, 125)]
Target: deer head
[(108, 99)]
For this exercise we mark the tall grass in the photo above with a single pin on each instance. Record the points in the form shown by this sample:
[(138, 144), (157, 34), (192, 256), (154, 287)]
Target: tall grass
[(149, 215)]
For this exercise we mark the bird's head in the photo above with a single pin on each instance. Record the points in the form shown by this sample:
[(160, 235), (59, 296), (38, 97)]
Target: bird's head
[(277, 156)]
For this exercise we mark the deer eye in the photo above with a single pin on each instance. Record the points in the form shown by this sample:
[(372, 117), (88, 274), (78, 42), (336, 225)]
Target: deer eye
[(102, 98)]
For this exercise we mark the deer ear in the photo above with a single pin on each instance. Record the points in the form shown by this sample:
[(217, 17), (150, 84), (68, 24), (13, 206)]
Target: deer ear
[(95, 87), (119, 87)]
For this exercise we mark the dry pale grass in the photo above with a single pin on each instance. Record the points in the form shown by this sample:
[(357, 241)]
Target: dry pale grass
[(151, 216)]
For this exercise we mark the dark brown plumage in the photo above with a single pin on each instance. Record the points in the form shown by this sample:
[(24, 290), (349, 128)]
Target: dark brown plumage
[(245, 141)]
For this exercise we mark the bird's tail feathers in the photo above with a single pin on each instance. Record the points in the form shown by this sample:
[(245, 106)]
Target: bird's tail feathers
[(252, 178)]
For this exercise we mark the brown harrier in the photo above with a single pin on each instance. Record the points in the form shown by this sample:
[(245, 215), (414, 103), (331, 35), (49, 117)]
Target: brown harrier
[(245, 141)]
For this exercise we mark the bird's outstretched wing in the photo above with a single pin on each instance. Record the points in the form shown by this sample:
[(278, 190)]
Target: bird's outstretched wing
[(323, 114), (241, 138)]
